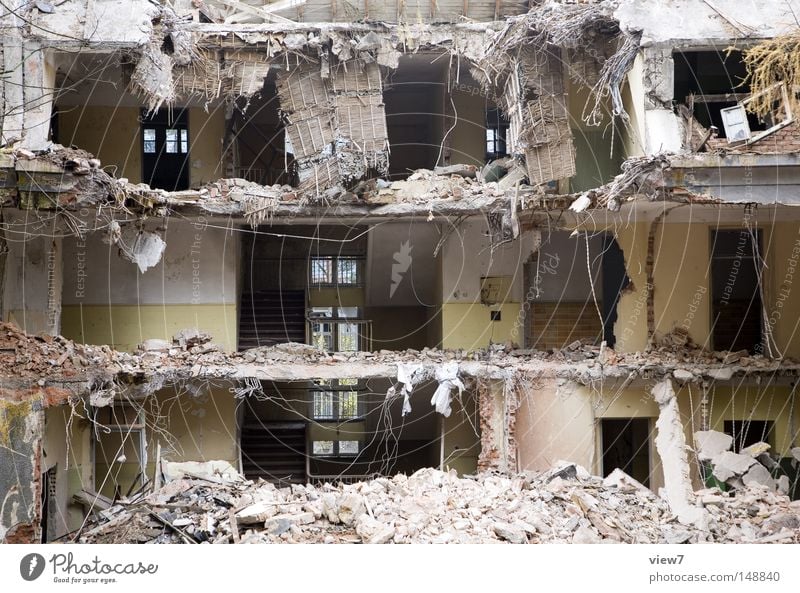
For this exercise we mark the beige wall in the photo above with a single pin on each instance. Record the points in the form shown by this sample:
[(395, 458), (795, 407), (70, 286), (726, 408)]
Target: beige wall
[(466, 142), (109, 133), (112, 135)]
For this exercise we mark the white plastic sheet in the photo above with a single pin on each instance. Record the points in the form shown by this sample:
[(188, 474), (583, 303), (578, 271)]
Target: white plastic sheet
[(447, 376)]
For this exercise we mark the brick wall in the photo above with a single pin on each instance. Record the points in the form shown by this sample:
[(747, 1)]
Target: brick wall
[(785, 140), (555, 325)]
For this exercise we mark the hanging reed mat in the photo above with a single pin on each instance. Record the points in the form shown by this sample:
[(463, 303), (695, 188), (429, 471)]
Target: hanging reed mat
[(362, 120)]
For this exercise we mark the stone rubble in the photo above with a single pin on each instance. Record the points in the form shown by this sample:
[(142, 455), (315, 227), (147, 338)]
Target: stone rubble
[(191, 353), (432, 506), (752, 466)]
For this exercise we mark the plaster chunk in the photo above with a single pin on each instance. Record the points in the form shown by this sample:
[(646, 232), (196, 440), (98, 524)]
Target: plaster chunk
[(759, 475), (728, 464), (671, 446), (756, 449), (711, 443)]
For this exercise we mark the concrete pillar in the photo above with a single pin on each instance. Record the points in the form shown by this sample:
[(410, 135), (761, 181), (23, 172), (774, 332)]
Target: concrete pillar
[(27, 92), (671, 446), (33, 284)]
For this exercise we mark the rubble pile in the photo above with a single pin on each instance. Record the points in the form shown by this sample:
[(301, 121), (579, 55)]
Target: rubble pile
[(46, 358), (562, 505), (752, 465), (23, 356)]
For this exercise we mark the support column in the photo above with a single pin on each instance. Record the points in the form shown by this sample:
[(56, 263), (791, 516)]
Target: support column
[(671, 447)]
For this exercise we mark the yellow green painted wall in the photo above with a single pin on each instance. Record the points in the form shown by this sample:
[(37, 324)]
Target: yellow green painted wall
[(468, 325), (109, 133), (466, 142), (125, 326), (199, 427), (753, 402), (783, 299), (682, 280), (206, 133)]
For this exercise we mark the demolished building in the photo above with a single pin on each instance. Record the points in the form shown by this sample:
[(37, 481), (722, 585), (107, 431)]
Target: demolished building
[(327, 241)]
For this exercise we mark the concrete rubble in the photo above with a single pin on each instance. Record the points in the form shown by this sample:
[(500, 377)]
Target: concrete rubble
[(27, 361), (432, 506), (752, 466)]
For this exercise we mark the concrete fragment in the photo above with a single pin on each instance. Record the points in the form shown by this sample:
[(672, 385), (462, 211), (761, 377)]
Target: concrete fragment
[(586, 535), (146, 251), (796, 453), (728, 464), (671, 446), (711, 443), (350, 508), (624, 482), (330, 508), (511, 533), (767, 461), (155, 345), (372, 531), (257, 513), (756, 449), (683, 375), (216, 469), (783, 484), (282, 523), (759, 475), (720, 374)]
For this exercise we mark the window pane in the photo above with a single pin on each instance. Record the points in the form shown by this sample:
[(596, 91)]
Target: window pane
[(149, 141), (172, 142), (348, 405), (323, 448), (322, 336), (323, 405), (348, 337), (347, 270), (348, 447), (321, 270), (184, 141)]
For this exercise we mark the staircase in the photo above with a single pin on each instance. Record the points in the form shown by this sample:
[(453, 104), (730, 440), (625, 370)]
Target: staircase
[(275, 451), (271, 317)]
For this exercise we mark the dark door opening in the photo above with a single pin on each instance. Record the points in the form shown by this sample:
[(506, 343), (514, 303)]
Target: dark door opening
[(749, 432), (46, 522), (165, 149), (626, 445), (736, 298), (615, 280)]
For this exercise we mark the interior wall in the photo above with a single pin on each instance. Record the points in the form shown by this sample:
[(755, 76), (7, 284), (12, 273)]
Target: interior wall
[(465, 123), (782, 302), (113, 135), (66, 446), (681, 277), (33, 280), (560, 420), (108, 301), (467, 256), (630, 328)]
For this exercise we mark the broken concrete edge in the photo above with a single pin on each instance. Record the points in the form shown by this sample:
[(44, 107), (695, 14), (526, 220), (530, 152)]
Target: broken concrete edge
[(78, 182)]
